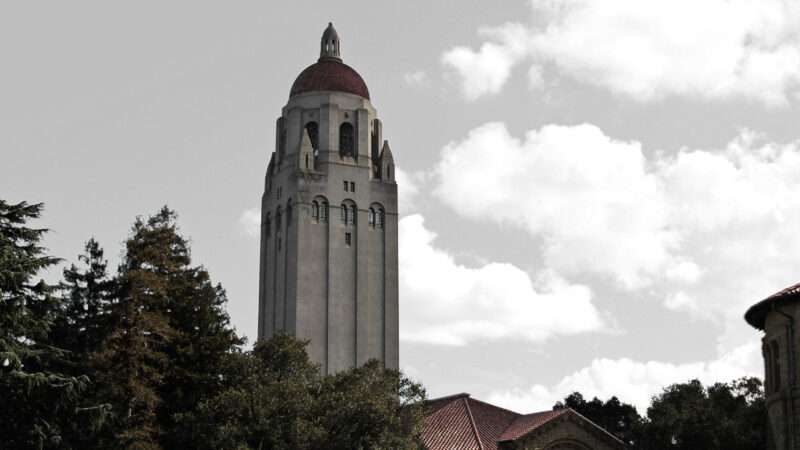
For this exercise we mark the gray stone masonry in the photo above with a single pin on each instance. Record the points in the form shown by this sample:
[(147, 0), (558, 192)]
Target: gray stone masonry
[(328, 270)]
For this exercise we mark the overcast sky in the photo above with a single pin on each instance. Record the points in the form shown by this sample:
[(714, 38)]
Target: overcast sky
[(592, 193)]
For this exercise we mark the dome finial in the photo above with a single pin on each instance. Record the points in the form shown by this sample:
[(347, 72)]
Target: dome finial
[(329, 45)]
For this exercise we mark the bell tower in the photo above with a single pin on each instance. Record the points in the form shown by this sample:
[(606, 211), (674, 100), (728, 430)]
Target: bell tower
[(328, 263)]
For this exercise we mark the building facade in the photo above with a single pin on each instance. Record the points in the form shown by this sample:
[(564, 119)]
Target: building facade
[(328, 265), (778, 316)]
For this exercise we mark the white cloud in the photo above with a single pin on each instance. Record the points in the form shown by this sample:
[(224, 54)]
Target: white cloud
[(485, 71), (535, 77), (681, 301), (589, 196), (407, 190), (250, 222), (450, 304), (684, 272), (631, 381), (709, 231), (649, 49), (416, 78)]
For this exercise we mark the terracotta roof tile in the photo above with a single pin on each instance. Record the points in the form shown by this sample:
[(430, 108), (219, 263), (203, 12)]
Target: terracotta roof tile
[(490, 421), (529, 422), (450, 427)]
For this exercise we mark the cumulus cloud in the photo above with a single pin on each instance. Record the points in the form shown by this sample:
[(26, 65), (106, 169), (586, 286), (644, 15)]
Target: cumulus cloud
[(649, 49), (250, 222), (447, 303), (634, 382), (590, 196), (486, 70), (710, 231), (407, 190)]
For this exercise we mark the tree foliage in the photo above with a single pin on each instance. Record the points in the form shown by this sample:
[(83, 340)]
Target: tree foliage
[(39, 399), (277, 399), (81, 322), (685, 416), (722, 416), (169, 335), (616, 417)]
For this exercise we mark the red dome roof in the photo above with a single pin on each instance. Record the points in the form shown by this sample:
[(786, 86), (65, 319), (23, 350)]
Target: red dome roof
[(329, 74)]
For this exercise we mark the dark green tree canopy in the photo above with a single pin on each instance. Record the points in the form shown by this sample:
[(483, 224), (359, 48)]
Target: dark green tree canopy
[(728, 416), (40, 401), (685, 416), (170, 335), (87, 293), (616, 417), (277, 399)]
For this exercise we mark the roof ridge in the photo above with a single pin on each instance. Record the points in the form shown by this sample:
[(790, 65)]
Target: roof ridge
[(558, 412), (472, 422), (524, 419), (447, 397), (495, 406)]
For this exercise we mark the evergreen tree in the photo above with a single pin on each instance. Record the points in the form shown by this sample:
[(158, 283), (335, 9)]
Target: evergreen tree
[(87, 291), (38, 400), (195, 311), (132, 360), (171, 335), (616, 417)]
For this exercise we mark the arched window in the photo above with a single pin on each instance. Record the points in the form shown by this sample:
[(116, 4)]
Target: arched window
[(278, 220), (282, 143), (346, 140), (315, 210), (319, 209), (776, 367), (349, 211), (312, 128), (767, 369), (289, 212), (268, 225), (323, 211), (376, 216)]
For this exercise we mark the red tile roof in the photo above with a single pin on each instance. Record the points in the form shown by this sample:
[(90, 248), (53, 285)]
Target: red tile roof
[(490, 421), (757, 313), (450, 426), (459, 422), (529, 422)]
